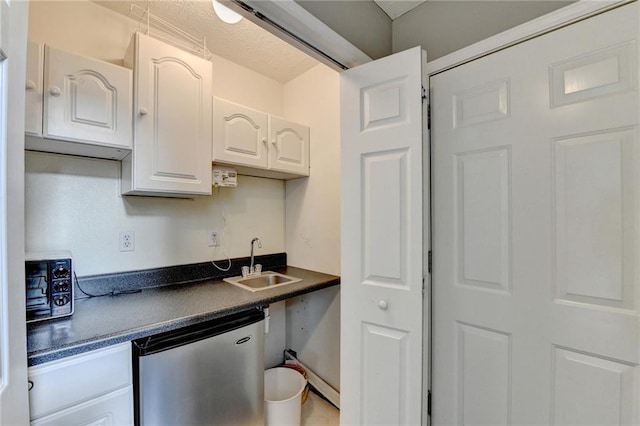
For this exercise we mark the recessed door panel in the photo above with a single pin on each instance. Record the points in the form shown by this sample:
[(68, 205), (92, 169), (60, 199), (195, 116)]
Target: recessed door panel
[(590, 390), (383, 104), (384, 203), (385, 376), (178, 89), (595, 74), (484, 376), (594, 199), (487, 102), (483, 188), (290, 146), (242, 135), (92, 100)]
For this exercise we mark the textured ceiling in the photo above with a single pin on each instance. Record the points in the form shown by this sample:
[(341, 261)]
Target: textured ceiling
[(395, 8), (243, 43)]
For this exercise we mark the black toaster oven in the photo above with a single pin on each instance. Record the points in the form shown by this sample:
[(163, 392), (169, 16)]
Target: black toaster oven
[(49, 285)]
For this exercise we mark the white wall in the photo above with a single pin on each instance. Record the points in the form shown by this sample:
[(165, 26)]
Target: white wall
[(73, 203), (313, 221), (362, 23), (442, 26)]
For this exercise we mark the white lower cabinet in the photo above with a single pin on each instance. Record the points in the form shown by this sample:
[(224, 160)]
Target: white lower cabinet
[(258, 143), (95, 388), (112, 409)]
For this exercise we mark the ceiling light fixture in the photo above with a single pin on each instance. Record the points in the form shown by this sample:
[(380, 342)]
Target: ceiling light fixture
[(227, 15)]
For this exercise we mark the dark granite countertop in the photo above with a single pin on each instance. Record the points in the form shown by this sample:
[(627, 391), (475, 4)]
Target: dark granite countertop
[(102, 321)]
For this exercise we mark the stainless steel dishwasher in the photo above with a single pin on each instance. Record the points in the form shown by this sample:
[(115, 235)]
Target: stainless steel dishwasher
[(208, 374)]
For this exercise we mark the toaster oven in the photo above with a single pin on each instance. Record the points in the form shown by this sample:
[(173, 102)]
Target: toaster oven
[(49, 285)]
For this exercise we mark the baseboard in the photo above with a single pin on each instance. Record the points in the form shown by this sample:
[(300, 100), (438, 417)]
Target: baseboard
[(322, 387)]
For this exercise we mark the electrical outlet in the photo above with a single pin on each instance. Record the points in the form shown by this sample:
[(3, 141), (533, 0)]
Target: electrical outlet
[(127, 240), (212, 238)]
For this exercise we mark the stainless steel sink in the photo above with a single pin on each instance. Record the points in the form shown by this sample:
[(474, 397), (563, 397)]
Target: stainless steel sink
[(264, 281)]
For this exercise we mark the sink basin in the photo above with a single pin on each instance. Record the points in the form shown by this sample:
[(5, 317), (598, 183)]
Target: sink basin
[(267, 280)]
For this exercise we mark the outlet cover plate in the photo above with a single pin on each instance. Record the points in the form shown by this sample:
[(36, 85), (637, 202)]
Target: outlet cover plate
[(212, 238), (127, 241)]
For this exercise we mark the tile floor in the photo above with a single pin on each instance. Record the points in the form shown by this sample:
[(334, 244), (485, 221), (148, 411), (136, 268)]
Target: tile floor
[(318, 412)]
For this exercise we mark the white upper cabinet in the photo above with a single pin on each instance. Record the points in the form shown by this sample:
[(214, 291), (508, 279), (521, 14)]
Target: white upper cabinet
[(289, 149), (77, 105), (33, 94), (172, 121), (239, 134), (257, 143)]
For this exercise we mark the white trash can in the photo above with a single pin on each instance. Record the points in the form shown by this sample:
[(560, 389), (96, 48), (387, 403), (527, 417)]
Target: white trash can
[(282, 395)]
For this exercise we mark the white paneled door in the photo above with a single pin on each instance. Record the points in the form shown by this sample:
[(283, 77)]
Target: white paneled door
[(536, 231), (382, 242)]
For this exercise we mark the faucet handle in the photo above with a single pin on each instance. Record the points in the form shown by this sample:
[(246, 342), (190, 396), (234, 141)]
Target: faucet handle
[(257, 269), (245, 271)]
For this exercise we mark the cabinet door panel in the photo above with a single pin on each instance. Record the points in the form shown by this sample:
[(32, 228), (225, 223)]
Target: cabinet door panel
[(115, 408), (33, 94), (289, 150), (172, 152), (239, 134), (177, 104), (86, 100)]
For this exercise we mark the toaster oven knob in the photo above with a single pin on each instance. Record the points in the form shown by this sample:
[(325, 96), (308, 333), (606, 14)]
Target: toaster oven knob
[(61, 300), (60, 272), (61, 287)]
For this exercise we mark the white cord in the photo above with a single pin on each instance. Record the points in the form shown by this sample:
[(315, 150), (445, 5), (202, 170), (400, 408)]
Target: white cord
[(223, 238), (223, 269)]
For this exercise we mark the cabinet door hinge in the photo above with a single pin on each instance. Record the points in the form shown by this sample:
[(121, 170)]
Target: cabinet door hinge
[(429, 403), (424, 93), (430, 261)]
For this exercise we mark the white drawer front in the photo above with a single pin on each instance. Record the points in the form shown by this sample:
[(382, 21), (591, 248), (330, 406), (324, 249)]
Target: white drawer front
[(112, 409), (63, 383)]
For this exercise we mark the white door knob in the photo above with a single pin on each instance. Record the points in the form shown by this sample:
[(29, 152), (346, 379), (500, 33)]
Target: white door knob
[(55, 91), (264, 140), (143, 111), (383, 305), (31, 85), (273, 141)]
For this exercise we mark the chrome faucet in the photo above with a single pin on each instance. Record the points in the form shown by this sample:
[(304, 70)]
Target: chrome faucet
[(252, 267)]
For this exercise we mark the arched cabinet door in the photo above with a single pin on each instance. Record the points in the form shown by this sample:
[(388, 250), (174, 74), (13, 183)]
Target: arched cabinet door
[(172, 121), (86, 100), (239, 134), (289, 146)]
